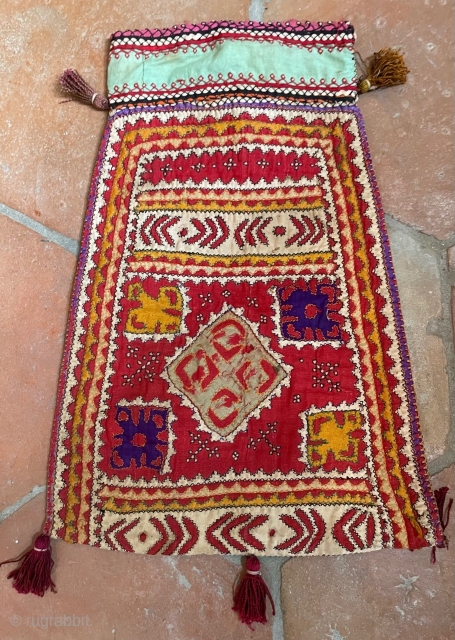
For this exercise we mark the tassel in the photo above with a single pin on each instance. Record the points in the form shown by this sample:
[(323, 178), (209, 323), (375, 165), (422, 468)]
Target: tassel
[(250, 598), (72, 82), (34, 574), (440, 495), (386, 68)]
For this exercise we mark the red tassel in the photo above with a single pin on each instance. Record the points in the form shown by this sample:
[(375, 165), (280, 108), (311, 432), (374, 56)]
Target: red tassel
[(34, 574), (440, 495), (72, 82), (250, 598)]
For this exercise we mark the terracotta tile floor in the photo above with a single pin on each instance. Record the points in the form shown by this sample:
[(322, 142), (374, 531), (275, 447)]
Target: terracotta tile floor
[(47, 153)]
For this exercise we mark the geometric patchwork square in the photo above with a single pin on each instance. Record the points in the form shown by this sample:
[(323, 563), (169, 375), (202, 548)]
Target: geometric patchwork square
[(154, 313), (334, 437), (143, 437), (306, 312)]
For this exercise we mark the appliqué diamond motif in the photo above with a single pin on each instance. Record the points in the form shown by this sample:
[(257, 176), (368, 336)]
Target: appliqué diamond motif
[(226, 373)]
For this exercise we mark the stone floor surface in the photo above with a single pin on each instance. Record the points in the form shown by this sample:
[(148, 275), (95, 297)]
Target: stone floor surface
[(47, 155)]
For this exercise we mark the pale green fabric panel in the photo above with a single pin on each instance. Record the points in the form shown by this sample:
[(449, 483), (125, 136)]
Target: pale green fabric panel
[(258, 58)]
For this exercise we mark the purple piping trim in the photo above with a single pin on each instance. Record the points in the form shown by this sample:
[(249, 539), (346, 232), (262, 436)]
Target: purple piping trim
[(417, 441), (254, 105)]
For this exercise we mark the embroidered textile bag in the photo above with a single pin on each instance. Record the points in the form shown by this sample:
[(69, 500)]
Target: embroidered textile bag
[(235, 377)]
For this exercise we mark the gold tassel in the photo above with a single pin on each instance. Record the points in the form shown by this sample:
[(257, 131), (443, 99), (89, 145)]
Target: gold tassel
[(386, 68)]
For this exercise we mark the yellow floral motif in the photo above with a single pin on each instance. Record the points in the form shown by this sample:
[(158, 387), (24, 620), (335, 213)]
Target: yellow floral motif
[(158, 315), (327, 433)]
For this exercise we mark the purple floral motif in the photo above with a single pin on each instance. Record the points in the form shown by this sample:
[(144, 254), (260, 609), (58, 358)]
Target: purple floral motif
[(308, 312), (143, 438)]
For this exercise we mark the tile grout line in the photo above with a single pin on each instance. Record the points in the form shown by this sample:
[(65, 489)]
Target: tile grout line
[(443, 328), (12, 508), (256, 10), (440, 326), (69, 244), (274, 566)]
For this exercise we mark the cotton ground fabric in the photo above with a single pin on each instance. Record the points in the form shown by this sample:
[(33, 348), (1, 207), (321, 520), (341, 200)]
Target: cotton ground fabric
[(236, 378)]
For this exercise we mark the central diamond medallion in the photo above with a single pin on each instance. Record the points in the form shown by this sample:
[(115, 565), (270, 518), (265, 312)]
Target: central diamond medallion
[(226, 373)]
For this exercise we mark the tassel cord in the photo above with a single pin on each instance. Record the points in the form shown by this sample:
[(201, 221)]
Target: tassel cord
[(33, 575), (258, 579), (73, 83), (386, 68), (250, 597), (15, 559), (444, 517)]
